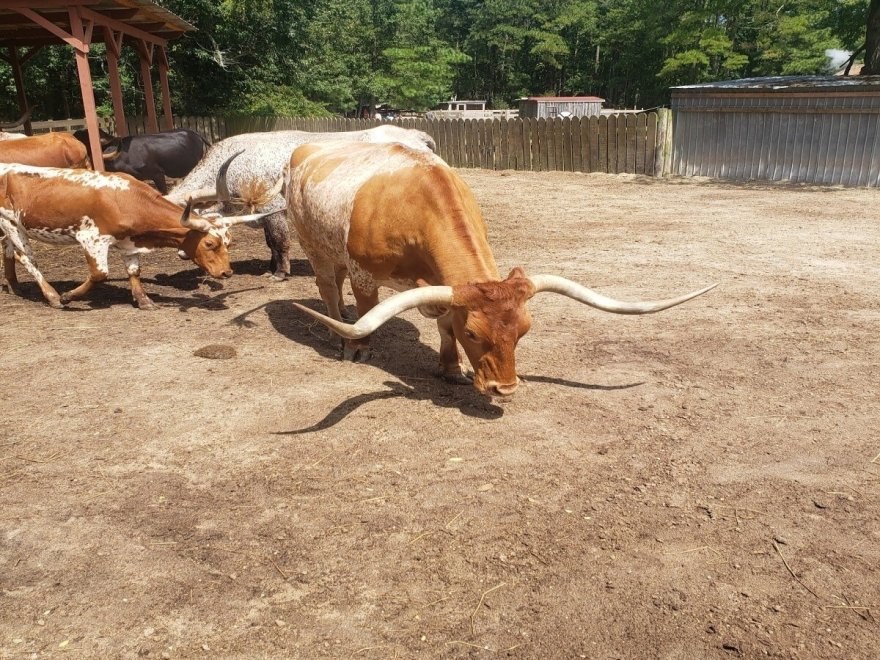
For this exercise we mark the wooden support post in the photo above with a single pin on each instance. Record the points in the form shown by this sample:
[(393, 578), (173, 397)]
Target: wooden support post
[(167, 118), (114, 47), (83, 34), (663, 153), (145, 53), (19, 88)]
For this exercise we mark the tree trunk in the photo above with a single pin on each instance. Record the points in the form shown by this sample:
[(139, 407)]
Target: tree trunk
[(872, 41)]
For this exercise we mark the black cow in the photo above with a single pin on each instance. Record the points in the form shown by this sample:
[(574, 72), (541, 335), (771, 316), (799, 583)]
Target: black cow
[(151, 157)]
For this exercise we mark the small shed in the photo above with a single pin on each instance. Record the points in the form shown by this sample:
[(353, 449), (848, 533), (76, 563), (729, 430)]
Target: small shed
[(808, 129), (463, 104), (551, 107)]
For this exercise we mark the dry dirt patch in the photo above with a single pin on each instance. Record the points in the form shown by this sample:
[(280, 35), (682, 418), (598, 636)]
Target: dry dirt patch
[(698, 483)]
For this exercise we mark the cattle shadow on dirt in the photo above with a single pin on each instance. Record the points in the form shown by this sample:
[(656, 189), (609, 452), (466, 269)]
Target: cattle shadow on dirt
[(397, 350)]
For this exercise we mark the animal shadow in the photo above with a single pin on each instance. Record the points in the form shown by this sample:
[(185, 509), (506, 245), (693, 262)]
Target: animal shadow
[(396, 350)]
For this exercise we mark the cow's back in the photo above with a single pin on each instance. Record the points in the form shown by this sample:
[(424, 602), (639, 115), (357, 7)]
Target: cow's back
[(49, 150), (339, 210)]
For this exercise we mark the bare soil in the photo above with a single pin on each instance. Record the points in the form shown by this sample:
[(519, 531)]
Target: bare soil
[(700, 483)]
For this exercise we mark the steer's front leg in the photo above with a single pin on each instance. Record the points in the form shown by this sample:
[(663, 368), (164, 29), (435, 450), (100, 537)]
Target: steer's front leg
[(97, 273), (450, 360), (133, 268), (358, 350)]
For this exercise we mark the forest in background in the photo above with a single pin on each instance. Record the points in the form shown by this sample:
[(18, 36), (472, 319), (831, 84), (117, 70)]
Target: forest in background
[(322, 57)]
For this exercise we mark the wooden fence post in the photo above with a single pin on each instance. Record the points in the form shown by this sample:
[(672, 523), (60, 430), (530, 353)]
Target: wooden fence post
[(663, 153)]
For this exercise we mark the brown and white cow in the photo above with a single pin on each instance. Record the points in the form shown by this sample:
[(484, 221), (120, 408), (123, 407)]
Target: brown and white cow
[(48, 150), (385, 214), (100, 211)]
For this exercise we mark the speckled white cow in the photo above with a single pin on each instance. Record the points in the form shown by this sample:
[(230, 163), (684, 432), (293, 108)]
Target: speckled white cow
[(100, 211), (260, 167)]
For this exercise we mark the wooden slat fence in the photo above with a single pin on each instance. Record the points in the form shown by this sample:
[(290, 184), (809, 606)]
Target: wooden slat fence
[(612, 143)]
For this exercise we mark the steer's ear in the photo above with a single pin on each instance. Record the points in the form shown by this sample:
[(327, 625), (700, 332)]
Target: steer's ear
[(516, 273)]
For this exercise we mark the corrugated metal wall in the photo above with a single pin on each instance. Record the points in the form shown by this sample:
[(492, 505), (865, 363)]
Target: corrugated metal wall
[(817, 137)]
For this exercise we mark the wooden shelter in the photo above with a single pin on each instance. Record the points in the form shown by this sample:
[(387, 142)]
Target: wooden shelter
[(26, 26), (551, 107)]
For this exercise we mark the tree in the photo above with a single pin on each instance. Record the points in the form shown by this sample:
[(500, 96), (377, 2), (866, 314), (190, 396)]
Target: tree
[(420, 67), (872, 40)]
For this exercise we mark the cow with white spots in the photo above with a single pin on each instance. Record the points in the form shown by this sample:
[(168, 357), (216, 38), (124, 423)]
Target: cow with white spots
[(255, 178), (388, 215), (100, 211)]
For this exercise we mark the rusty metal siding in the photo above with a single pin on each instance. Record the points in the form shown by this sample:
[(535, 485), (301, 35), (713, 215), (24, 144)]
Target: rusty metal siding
[(805, 135)]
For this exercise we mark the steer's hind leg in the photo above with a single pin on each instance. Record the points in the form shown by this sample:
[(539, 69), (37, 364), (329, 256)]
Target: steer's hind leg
[(133, 268), (9, 266), (18, 246)]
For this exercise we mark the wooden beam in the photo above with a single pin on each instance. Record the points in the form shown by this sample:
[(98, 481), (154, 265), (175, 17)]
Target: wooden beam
[(167, 117), (125, 28), (145, 54), (19, 88), (85, 85), (45, 4), (71, 39), (114, 47)]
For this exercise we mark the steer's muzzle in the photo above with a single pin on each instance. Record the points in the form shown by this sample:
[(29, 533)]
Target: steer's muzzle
[(493, 388)]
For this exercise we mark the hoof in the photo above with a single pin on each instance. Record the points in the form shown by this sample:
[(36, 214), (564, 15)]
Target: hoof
[(356, 353), (457, 379), (56, 303), (275, 277), (146, 305)]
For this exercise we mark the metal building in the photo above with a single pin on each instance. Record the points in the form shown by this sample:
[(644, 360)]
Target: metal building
[(809, 129), (551, 107)]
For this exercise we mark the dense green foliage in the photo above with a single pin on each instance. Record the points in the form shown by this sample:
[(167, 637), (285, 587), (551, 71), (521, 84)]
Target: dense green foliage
[(313, 57)]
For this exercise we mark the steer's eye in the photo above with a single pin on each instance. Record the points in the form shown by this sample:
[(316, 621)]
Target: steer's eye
[(470, 334), (210, 245)]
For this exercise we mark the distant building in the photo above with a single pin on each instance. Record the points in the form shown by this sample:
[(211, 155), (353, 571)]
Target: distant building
[(455, 104), (551, 107)]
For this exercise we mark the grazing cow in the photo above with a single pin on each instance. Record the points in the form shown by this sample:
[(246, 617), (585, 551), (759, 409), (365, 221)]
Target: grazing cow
[(99, 211), (151, 157), (48, 150), (254, 179), (388, 215)]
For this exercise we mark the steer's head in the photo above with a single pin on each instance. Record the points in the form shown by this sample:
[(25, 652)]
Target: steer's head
[(488, 320), (208, 249), (207, 241)]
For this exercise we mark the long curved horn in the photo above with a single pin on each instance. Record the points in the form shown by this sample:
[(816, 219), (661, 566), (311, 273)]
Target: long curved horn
[(385, 310), (112, 155), (189, 222), (16, 124), (229, 220), (220, 191), (556, 284)]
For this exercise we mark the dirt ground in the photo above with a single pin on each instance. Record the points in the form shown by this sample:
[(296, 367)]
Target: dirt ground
[(700, 483)]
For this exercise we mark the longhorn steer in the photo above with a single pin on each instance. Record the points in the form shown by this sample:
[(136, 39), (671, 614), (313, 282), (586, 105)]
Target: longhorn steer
[(253, 176), (151, 157), (100, 211), (388, 215), (48, 150)]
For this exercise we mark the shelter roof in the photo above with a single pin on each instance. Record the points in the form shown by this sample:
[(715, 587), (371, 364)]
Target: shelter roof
[(786, 84), (145, 16), (563, 99)]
